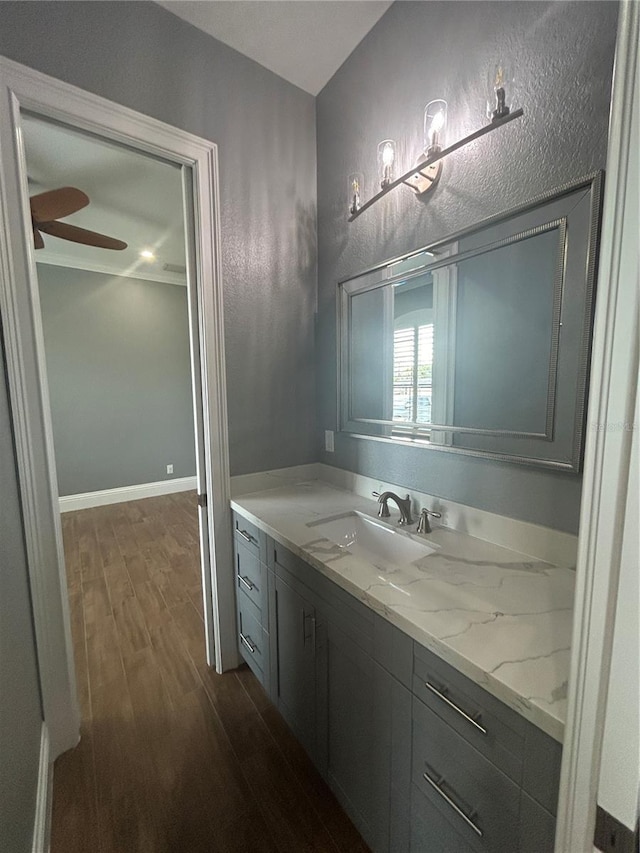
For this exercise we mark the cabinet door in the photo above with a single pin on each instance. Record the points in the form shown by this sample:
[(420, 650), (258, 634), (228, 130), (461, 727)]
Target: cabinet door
[(296, 667), (348, 703), (356, 714)]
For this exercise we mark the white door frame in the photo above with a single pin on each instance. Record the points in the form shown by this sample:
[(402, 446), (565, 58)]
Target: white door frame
[(21, 88), (613, 383)]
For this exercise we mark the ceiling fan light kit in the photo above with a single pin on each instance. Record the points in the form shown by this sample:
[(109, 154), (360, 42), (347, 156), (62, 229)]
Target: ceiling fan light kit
[(50, 206)]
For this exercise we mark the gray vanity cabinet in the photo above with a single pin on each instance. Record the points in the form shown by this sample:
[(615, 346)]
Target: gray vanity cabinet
[(422, 759)]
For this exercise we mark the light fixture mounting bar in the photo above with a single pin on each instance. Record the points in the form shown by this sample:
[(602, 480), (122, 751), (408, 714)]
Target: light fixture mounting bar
[(435, 157)]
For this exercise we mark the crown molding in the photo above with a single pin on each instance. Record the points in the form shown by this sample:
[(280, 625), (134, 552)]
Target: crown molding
[(69, 262)]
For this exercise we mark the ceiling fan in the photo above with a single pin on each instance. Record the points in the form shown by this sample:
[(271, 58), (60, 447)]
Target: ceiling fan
[(48, 207)]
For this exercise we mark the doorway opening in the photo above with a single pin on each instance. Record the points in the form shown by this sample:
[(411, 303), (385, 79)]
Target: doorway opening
[(31, 97), (115, 314)]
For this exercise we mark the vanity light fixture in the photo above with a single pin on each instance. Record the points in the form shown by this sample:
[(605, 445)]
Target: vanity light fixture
[(386, 161), (424, 174)]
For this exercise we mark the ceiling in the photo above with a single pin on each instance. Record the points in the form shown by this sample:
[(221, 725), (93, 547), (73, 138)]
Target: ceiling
[(304, 41), (133, 197)]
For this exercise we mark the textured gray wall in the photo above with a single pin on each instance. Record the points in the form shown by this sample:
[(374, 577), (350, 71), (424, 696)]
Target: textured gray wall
[(140, 55), (20, 710), (117, 353), (562, 57)]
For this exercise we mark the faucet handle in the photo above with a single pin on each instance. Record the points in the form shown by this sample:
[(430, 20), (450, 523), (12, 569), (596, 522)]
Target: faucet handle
[(383, 511), (423, 523)]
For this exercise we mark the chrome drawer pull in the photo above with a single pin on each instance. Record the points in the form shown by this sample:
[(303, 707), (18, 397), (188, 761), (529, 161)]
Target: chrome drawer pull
[(247, 642), (451, 704), (246, 583), (245, 535), (437, 786)]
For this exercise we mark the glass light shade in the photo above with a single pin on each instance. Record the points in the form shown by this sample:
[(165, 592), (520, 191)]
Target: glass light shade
[(499, 85), (435, 125), (355, 182), (386, 161)]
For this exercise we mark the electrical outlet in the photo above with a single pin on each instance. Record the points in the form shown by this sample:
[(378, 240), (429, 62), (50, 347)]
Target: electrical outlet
[(328, 440), (169, 469)]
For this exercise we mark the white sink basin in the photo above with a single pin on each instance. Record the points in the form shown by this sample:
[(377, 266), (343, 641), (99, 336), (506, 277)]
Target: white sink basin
[(373, 540)]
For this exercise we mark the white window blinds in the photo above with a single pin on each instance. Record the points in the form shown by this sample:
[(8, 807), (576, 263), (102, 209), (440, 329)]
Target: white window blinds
[(412, 372)]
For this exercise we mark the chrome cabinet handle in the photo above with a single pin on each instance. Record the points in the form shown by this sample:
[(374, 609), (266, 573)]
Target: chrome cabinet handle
[(458, 710), (437, 784), (245, 535), (246, 583), (310, 616), (247, 642)]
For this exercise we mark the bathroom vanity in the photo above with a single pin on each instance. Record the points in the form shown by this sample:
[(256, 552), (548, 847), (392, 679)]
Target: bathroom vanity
[(430, 693)]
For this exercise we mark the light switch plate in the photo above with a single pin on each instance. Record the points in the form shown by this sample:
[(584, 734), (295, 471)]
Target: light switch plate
[(328, 440)]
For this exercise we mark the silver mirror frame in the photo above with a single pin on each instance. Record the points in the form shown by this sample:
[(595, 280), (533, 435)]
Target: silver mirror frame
[(384, 274)]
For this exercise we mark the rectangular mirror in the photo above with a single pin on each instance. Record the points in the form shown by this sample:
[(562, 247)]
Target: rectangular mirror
[(479, 344)]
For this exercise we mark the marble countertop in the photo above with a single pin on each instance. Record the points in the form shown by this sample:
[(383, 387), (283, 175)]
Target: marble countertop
[(500, 617)]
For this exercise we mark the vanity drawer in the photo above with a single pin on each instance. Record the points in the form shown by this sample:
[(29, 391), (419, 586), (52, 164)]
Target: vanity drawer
[(475, 798), (246, 533), (491, 727), (430, 831), (251, 576), (251, 637)]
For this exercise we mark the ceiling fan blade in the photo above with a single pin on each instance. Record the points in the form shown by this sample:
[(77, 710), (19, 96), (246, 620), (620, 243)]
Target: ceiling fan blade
[(38, 242), (55, 204), (81, 235)]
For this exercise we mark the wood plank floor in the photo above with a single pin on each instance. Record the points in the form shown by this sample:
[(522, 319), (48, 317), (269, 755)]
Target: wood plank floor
[(173, 758)]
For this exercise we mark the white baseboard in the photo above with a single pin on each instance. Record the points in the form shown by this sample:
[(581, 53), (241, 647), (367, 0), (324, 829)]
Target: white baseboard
[(42, 819), (68, 503)]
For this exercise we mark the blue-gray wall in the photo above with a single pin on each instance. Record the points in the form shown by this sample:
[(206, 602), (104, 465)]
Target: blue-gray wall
[(562, 57), (119, 373), (20, 709), (142, 56)]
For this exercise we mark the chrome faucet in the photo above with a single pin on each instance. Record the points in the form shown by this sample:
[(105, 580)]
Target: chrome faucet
[(423, 523), (404, 505)]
